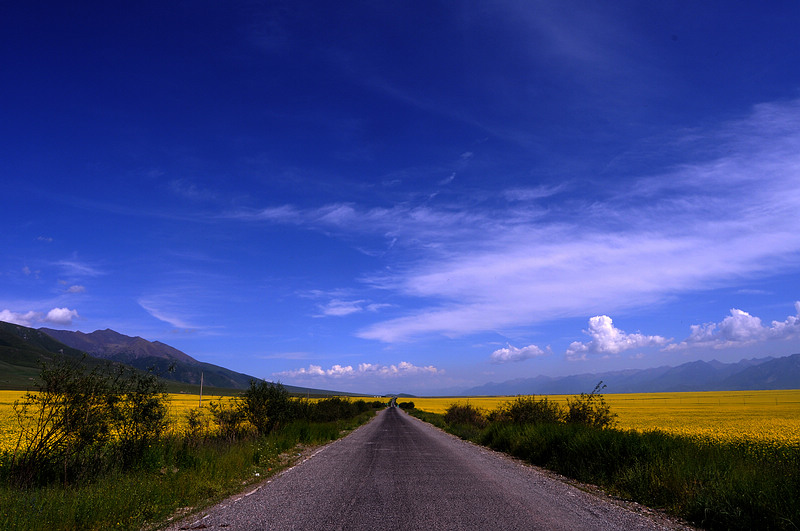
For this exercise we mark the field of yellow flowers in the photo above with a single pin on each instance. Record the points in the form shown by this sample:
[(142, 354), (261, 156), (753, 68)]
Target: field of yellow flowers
[(179, 405), (757, 416)]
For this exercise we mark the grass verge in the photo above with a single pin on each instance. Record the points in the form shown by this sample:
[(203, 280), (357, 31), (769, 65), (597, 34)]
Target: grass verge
[(176, 476)]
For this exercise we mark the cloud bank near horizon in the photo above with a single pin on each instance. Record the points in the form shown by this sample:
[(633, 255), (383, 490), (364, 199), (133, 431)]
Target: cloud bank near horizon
[(736, 330)]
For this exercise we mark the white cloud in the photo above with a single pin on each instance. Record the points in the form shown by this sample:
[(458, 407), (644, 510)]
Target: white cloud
[(607, 339), (75, 268), (161, 315), (472, 267), (23, 319), (61, 316), (58, 316), (340, 308), (364, 369), (511, 353), (739, 329), (76, 289)]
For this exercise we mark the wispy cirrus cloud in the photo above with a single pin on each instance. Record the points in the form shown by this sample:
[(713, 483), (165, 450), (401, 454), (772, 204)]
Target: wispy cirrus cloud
[(708, 222)]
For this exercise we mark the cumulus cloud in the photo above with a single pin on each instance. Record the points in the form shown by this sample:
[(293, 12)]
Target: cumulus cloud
[(511, 353), (58, 316), (607, 339), (739, 329), (61, 316), (403, 368), (23, 319)]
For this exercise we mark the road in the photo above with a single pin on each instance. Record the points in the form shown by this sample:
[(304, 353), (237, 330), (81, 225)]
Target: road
[(397, 472)]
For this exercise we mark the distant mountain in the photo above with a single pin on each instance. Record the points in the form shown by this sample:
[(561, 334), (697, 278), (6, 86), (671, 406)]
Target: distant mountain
[(751, 374), (23, 350), (169, 362), (111, 345), (166, 361)]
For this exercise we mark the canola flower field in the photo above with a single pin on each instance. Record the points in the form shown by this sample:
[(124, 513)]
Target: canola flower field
[(179, 405), (771, 417)]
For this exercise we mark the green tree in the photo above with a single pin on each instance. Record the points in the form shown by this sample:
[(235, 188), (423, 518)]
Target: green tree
[(266, 405)]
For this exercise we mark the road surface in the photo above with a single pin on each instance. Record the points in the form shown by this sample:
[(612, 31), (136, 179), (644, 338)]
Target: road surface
[(399, 473)]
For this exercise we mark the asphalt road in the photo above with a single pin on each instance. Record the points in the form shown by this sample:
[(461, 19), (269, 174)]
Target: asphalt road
[(397, 472)]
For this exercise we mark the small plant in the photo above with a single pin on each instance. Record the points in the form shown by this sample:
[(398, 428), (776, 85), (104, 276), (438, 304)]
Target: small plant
[(229, 419)]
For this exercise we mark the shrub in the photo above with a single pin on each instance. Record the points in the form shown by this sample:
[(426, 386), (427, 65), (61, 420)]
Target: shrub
[(266, 405), (83, 420), (528, 410), (229, 418), (465, 414), (591, 409), (406, 405)]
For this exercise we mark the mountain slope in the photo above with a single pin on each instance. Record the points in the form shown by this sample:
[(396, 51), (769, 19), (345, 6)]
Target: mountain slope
[(108, 344), (23, 350), (167, 361)]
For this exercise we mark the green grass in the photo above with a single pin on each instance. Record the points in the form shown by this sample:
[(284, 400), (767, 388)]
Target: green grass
[(711, 484), (174, 474)]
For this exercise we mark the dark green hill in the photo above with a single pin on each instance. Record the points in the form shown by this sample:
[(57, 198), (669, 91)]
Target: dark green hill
[(23, 350)]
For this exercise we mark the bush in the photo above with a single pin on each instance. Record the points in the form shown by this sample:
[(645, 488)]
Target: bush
[(591, 409), (84, 420), (528, 410), (465, 414), (406, 405), (229, 418), (266, 405)]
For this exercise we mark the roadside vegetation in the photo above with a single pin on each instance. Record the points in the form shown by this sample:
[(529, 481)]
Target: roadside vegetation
[(709, 483), (97, 449)]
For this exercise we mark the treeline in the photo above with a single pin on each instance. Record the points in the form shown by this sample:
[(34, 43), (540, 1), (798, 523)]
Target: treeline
[(85, 430), (712, 484)]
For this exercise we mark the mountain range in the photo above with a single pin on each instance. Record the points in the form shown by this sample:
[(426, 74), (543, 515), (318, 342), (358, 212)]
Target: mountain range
[(745, 375), (23, 350)]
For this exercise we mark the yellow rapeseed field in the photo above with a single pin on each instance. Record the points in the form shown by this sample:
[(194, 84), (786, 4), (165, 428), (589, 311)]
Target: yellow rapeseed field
[(765, 416)]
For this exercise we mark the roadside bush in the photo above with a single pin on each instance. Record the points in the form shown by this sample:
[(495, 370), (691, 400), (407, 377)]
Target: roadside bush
[(229, 418), (82, 421), (406, 405), (266, 405), (140, 413), (465, 414), (591, 409), (528, 410)]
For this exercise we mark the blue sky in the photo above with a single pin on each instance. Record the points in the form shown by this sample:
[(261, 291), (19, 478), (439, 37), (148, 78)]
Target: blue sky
[(406, 196)]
